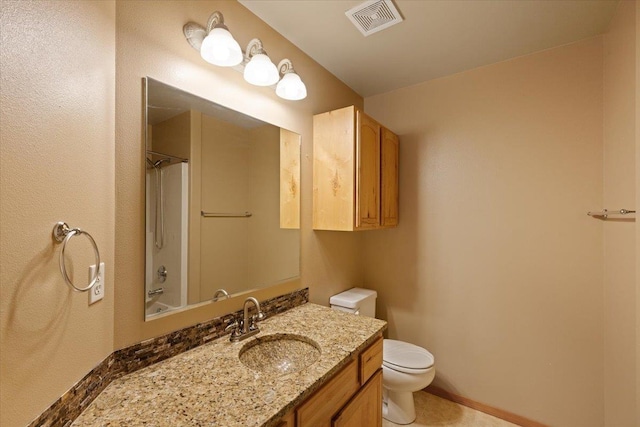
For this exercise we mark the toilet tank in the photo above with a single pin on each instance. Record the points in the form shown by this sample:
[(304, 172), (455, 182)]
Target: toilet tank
[(356, 300)]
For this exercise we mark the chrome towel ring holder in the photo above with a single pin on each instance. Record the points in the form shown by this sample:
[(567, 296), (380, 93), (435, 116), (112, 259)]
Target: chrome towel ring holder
[(62, 233)]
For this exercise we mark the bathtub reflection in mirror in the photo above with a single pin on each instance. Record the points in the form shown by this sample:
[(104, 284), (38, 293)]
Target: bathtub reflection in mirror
[(222, 201)]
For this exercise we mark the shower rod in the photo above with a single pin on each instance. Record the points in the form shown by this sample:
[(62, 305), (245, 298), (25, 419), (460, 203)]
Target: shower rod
[(180, 159)]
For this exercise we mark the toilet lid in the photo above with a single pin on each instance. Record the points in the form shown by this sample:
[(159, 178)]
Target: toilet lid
[(405, 357)]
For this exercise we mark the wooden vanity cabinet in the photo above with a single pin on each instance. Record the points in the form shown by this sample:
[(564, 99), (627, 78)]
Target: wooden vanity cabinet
[(320, 408), (288, 420), (350, 397), (355, 172), (365, 409)]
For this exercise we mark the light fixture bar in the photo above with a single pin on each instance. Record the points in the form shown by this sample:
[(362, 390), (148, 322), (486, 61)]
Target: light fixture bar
[(195, 34), (216, 20), (218, 47)]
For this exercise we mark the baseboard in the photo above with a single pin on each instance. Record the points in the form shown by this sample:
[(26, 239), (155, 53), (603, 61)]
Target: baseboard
[(496, 412)]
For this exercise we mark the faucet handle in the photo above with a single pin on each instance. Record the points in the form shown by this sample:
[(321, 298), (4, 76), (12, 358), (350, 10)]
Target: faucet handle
[(236, 325), (255, 319), (233, 323)]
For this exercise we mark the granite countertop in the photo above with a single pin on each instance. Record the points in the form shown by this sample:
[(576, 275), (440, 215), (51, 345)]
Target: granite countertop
[(209, 386)]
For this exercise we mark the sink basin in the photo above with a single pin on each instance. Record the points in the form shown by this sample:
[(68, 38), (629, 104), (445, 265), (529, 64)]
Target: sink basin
[(279, 354)]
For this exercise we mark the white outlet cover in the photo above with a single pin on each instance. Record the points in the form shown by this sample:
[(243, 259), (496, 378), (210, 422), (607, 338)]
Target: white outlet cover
[(96, 293)]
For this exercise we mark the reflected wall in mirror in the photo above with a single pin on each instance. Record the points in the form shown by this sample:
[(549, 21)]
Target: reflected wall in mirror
[(222, 201)]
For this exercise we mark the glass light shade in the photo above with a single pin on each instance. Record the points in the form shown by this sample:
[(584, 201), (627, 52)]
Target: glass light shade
[(220, 48), (260, 71), (291, 87)]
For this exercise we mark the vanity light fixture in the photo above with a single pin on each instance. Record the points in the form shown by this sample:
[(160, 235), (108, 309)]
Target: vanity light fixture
[(218, 47), (290, 86), (259, 71)]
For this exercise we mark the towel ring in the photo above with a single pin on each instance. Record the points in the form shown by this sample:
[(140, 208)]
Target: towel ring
[(62, 233)]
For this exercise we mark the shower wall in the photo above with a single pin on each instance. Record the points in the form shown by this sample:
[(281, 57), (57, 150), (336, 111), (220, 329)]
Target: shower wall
[(173, 254), (171, 137)]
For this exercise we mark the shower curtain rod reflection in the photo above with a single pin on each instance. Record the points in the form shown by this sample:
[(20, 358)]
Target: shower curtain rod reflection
[(180, 159), (225, 215)]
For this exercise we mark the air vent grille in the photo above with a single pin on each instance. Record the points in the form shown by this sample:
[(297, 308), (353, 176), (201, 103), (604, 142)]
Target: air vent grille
[(373, 16)]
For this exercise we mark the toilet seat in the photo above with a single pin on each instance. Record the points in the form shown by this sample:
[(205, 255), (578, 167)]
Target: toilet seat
[(405, 357)]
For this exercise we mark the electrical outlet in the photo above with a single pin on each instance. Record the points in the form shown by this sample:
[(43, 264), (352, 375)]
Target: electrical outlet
[(96, 293)]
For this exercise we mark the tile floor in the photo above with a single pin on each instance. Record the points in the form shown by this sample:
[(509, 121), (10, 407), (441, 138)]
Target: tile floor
[(434, 411)]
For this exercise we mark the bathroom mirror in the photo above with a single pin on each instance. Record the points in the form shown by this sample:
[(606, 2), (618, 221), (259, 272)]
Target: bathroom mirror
[(222, 201)]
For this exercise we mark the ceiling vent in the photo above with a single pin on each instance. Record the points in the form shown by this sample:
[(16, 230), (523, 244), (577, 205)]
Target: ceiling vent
[(373, 16)]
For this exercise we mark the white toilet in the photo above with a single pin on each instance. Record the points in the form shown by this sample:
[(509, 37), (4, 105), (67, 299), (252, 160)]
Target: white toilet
[(406, 368)]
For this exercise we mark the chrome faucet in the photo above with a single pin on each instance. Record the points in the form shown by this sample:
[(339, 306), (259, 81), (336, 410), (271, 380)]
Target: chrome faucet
[(248, 325), (154, 292), (219, 294)]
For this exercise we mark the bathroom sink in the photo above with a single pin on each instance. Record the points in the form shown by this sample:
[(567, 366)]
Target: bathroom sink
[(279, 354)]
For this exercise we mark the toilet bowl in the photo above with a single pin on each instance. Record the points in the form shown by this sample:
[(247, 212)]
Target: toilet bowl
[(406, 368)]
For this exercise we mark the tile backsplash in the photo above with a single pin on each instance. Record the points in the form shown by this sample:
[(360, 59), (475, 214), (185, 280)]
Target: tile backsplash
[(127, 360)]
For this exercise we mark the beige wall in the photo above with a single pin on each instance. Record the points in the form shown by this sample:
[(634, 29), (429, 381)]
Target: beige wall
[(172, 136), (61, 167), (154, 46), (225, 156), (637, 206), (56, 163), (241, 172), (620, 116), (495, 266), (195, 208), (273, 252)]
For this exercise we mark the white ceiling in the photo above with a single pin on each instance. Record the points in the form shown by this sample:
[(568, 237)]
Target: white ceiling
[(437, 37)]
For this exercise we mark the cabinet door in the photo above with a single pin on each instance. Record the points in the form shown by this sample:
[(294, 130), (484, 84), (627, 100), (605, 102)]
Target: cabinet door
[(389, 190), (370, 360), (365, 409), (367, 172), (289, 179), (334, 163), (288, 420), (319, 409)]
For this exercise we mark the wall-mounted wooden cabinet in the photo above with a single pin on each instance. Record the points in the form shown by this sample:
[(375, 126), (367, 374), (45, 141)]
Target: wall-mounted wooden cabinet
[(355, 172), (389, 180)]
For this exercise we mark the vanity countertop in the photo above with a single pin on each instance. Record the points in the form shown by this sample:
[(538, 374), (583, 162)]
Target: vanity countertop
[(209, 386)]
